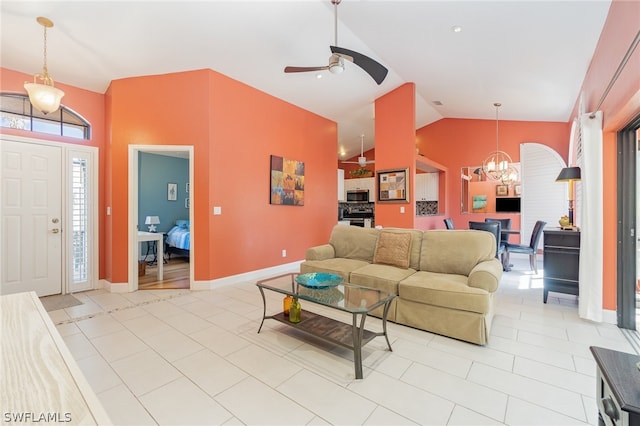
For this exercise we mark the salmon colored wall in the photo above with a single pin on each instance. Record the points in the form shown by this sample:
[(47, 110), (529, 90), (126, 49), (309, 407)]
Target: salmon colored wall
[(458, 143), (247, 126), (234, 129), (89, 105), (395, 148), (620, 106)]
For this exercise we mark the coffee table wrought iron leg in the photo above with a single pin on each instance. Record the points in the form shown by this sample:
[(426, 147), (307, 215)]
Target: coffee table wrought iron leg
[(264, 308), (358, 334), (384, 323)]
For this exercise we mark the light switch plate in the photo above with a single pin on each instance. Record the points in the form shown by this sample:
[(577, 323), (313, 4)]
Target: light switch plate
[(217, 210)]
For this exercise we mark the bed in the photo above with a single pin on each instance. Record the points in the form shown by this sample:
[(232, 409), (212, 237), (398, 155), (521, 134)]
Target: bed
[(178, 239)]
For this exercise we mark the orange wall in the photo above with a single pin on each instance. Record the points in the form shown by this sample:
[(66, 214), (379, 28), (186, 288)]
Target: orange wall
[(234, 129), (620, 106), (89, 105), (457, 143), (395, 147)]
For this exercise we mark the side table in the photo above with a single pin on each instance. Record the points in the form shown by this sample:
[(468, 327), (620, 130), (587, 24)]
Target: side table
[(617, 387)]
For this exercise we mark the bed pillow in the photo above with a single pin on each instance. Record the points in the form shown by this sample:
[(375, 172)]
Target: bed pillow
[(182, 223), (393, 248)]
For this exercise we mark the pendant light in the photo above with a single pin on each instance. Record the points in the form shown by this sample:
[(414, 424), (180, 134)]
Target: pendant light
[(496, 165), (43, 96)]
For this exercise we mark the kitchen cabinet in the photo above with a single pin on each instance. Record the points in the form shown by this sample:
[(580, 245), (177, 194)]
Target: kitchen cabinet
[(361, 183), (561, 262), (426, 187), (341, 196)]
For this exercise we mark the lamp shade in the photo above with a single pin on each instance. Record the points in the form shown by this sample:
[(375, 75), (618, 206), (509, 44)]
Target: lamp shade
[(43, 97), (152, 220), (568, 174)]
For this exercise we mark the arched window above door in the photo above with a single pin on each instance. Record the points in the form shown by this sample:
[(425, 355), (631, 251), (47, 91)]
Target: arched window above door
[(16, 112)]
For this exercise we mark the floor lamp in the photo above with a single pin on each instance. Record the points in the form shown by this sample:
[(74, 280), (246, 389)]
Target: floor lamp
[(569, 174)]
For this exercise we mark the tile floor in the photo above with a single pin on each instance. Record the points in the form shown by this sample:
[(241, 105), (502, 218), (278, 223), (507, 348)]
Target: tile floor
[(186, 358)]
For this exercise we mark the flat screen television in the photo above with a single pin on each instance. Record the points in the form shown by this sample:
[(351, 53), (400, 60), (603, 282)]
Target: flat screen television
[(508, 204)]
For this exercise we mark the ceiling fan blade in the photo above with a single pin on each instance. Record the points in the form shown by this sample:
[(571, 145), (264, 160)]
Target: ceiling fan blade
[(350, 162), (305, 69), (376, 70)]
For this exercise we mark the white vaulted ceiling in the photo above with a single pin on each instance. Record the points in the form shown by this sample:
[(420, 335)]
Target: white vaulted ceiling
[(531, 56)]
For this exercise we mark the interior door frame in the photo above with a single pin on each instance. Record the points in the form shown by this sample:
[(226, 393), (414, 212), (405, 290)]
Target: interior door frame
[(66, 245), (627, 231), (134, 151)]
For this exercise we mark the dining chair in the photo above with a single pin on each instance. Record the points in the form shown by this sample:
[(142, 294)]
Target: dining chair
[(494, 228), (532, 248), (448, 222), (504, 224)]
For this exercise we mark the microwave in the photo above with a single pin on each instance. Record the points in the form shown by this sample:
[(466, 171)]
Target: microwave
[(358, 196)]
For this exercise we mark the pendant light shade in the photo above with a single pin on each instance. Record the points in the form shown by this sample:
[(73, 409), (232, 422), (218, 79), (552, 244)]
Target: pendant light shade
[(44, 96), (496, 165)]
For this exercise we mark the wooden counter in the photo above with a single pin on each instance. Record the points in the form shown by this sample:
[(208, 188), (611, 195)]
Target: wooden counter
[(40, 381)]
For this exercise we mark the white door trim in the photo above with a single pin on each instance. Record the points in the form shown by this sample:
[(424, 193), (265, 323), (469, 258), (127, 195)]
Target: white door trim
[(134, 150), (66, 247)]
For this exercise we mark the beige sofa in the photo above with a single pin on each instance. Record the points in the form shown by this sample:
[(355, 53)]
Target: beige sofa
[(444, 279)]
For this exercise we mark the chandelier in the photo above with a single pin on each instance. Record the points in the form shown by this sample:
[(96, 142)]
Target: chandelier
[(43, 96), (496, 165)]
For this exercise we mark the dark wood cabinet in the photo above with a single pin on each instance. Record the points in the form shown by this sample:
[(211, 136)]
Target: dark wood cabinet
[(561, 261), (617, 387)]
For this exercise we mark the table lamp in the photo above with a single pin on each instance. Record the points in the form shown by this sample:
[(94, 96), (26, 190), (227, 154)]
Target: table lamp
[(152, 221), (569, 174)]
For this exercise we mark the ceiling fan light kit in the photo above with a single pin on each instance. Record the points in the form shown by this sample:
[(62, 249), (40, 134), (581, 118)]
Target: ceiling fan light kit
[(376, 70), (44, 96), (362, 160)]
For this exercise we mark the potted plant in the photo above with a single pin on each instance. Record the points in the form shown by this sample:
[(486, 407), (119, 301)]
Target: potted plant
[(361, 172)]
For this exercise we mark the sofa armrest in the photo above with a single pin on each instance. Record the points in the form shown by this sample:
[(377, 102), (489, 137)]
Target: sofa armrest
[(486, 275), (325, 251)]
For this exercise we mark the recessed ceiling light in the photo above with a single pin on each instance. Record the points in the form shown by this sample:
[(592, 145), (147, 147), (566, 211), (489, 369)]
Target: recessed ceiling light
[(318, 76), (456, 28)]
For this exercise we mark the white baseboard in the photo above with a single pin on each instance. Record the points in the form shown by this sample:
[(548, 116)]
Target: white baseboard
[(609, 317), (219, 282), (247, 276)]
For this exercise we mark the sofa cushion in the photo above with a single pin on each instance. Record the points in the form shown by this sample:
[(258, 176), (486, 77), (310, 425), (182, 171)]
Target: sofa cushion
[(381, 277), (445, 290), (416, 242), (342, 267), (354, 242), (452, 251), (393, 248)]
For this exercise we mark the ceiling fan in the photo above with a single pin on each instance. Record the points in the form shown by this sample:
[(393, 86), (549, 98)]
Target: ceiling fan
[(338, 54), (362, 160)]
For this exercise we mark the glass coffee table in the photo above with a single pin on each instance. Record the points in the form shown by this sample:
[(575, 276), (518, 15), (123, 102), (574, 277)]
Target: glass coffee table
[(355, 300)]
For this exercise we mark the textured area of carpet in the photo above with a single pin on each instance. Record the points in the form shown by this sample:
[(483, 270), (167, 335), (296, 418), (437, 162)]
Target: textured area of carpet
[(59, 301)]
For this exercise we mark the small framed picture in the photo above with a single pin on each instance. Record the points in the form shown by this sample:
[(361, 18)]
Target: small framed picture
[(502, 190), (172, 191), (517, 190), (187, 203)]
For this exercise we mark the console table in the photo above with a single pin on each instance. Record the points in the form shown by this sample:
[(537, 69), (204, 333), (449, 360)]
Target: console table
[(617, 387), (39, 377), (561, 262)]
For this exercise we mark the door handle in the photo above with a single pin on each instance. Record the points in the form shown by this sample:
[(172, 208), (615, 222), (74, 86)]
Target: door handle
[(55, 230)]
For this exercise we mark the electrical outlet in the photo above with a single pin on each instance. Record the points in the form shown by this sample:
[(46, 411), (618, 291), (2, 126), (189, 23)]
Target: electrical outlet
[(217, 210), (284, 253), (401, 209)]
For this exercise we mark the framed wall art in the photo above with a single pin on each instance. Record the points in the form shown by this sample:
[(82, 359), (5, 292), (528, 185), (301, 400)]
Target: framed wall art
[(502, 190), (393, 186), (287, 182), (172, 191), (517, 190)]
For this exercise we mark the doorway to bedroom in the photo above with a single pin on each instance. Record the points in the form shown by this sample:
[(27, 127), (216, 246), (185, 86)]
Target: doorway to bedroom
[(160, 203)]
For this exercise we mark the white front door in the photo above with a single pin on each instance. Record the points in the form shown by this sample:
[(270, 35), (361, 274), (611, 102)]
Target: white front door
[(31, 230)]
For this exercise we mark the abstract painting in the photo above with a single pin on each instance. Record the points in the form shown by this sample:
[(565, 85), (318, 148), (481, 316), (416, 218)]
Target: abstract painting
[(287, 181)]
